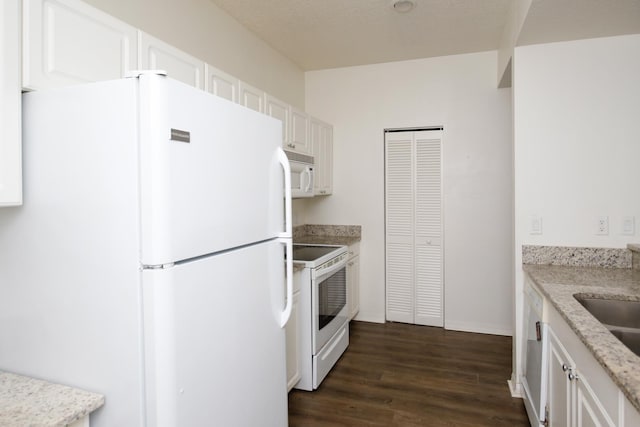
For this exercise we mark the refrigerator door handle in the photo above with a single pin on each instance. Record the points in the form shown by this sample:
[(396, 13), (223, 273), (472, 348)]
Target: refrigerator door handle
[(286, 313), (286, 236), (284, 161)]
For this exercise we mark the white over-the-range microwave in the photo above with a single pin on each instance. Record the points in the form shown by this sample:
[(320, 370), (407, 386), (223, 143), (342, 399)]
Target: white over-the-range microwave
[(302, 168)]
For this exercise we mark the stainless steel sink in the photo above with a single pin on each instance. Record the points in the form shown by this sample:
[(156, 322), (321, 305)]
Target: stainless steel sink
[(630, 338), (613, 312), (622, 318)]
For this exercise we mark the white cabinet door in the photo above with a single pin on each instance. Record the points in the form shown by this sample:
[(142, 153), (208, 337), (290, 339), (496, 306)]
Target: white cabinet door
[(630, 414), (279, 110), (299, 140), (10, 105), (158, 55), (321, 139), (353, 283), (560, 388), (571, 400), (589, 411), (221, 84), (67, 42), (292, 331), (251, 97)]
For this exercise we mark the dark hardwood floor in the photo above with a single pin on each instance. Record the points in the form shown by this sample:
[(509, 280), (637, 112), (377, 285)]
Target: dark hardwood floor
[(396, 374)]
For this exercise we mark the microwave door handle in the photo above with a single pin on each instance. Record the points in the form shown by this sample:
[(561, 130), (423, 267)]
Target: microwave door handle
[(307, 172)]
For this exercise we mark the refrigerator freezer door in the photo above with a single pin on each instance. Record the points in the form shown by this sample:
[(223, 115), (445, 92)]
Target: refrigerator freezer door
[(211, 178), (214, 349)]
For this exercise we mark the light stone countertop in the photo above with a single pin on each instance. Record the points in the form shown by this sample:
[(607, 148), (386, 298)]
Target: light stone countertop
[(314, 234), (560, 283), (26, 401)]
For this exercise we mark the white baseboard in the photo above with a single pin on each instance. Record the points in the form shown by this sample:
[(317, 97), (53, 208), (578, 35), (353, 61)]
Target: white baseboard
[(478, 328), (515, 389), (369, 317)]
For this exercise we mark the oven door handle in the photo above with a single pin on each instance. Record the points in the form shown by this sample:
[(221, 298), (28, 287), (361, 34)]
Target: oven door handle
[(326, 272)]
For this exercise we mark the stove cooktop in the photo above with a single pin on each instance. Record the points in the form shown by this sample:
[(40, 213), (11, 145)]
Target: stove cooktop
[(311, 252)]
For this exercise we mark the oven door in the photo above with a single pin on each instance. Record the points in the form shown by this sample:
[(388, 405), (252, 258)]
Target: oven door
[(329, 303)]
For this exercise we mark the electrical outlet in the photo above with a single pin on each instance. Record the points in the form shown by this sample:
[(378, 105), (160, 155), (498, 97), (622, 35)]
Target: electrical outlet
[(628, 226), (602, 225)]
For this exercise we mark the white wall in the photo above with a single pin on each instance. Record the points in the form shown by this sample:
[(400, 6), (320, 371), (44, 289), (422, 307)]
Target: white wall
[(459, 93), (515, 20), (577, 142), (203, 30)]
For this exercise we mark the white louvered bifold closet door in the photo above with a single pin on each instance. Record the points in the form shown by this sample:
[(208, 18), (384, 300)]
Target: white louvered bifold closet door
[(413, 206), (399, 227)]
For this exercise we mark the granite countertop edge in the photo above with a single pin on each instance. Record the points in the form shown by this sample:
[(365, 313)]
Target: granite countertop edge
[(559, 284), (327, 240), (30, 401)]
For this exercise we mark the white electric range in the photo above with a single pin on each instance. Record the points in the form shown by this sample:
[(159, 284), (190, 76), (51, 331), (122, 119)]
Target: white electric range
[(323, 310)]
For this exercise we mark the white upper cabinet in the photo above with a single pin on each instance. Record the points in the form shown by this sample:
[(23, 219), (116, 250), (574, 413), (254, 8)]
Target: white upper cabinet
[(279, 110), (299, 140), (221, 84), (251, 97), (10, 101), (68, 42), (158, 55), (321, 136)]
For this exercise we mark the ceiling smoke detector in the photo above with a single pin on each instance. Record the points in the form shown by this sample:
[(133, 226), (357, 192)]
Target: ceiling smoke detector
[(403, 6)]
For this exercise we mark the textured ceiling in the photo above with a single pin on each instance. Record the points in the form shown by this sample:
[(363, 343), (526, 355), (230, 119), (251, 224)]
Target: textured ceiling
[(319, 34), (561, 20)]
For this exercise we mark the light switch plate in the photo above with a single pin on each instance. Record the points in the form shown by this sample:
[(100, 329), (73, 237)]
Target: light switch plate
[(628, 226), (535, 224)]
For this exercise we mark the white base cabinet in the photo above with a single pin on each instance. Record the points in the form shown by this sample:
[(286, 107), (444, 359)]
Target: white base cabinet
[(292, 333), (353, 280), (10, 105), (580, 393)]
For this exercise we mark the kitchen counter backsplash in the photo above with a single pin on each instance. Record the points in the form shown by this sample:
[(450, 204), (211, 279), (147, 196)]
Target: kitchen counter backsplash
[(327, 230), (327, 234), (635, 254), (577, 257)]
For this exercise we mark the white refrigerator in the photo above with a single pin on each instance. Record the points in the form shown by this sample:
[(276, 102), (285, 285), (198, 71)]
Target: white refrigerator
[(148, 260)]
